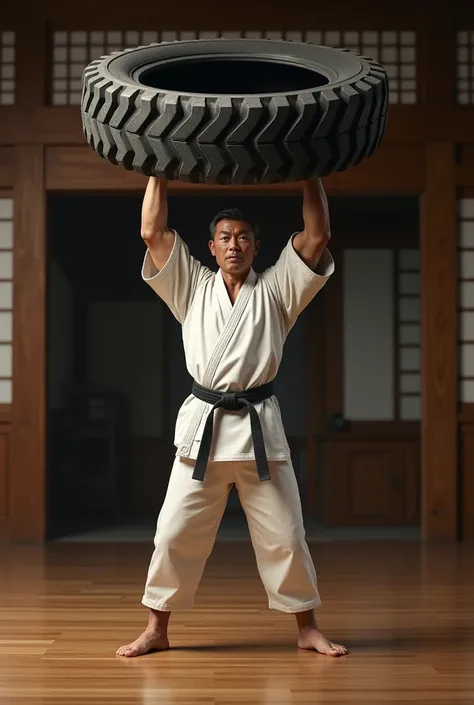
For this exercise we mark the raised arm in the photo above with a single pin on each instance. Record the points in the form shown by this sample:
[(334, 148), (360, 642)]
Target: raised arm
[(310, 243), (154, 229)]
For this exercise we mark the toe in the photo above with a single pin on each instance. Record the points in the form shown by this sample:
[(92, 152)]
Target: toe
[(335, 649), (123, 651)]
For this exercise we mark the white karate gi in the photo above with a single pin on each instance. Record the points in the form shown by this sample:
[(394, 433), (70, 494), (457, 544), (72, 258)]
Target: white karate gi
[(233, 348)]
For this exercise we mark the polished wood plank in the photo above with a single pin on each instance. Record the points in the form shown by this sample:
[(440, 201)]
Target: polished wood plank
[(405, 610)]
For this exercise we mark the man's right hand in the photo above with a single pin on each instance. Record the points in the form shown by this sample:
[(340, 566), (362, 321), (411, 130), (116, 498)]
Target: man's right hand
[(155, 233)]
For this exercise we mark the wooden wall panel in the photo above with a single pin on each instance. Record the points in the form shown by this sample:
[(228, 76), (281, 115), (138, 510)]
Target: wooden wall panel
[(371, 482), (4, 471), (467, 481), (6, 167), (439, 349), (28, 437), (407, 124), (3, 474)]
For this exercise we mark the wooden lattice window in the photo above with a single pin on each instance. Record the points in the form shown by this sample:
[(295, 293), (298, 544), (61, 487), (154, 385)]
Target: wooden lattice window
[(409, 335), (466, 299), (465, 67), (73, 50), (6, 299), (7, 68)]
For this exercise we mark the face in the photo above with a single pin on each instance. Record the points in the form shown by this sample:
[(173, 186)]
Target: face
[(234, 246)]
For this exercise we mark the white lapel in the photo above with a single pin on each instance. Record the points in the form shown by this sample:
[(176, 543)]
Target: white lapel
[(234, 314), (222, 294)]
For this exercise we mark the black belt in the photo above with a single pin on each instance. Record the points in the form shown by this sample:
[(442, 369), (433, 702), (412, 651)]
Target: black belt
[(233, 401)]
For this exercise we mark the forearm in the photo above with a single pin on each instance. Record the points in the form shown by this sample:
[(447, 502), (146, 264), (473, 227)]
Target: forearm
[(158, 238), (155, 208), (316, 210), (310, 243)]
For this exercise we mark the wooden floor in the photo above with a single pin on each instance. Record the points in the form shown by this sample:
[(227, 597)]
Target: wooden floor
[(406, 611)]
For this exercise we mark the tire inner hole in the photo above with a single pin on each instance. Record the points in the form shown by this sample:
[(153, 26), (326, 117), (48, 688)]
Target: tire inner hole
[(230, 76)]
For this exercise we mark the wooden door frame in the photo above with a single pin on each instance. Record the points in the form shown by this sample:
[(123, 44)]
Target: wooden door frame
[(391, 170)]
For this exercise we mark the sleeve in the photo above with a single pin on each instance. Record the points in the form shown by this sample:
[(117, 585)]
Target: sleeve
[(177, 282), (294, 283)]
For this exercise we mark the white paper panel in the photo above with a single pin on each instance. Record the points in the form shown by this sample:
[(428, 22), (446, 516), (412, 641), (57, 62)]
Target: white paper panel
[(466, 325), (7, 68), (409, 283), (6, 265), (6, 234), (466, 264), (5, 391), (6, 208), (464, 66), (410, 359), (5, 360), (467, 391), (6, 322), (410, 408), (466, 294), (294, 36), (6, 294), (73, 50), (409, 309), (466, 208), (410, 383), (467, 360), (410, 334), (368, 334), (466, 234), (167, 36)]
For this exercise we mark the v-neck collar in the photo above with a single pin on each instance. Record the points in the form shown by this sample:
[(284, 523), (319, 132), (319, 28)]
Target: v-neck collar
[(223, 294)]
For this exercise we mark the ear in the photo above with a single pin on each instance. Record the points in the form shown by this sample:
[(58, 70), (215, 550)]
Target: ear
[(212, 247)]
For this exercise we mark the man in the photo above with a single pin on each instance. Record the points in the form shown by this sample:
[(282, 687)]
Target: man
[(229, 430)]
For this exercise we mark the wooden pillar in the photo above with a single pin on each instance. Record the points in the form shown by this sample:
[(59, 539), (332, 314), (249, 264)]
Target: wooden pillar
[(439, 345), (28, 434)]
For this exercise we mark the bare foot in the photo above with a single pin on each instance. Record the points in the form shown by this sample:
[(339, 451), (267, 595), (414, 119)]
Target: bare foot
[(315, 640), (150, 640)]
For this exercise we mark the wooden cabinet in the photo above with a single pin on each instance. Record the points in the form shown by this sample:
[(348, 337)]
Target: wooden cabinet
[(371, 482)]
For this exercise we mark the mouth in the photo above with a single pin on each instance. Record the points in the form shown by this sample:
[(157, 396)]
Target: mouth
[(234, 258)]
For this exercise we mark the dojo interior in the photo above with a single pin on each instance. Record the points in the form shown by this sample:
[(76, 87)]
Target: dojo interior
[(376, 385), (117, 374)]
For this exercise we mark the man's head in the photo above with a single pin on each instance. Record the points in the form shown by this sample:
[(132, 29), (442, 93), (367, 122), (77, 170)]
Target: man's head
[(233, 241)]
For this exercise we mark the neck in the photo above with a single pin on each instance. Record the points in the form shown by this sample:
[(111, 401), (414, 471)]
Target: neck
[(233, 282)]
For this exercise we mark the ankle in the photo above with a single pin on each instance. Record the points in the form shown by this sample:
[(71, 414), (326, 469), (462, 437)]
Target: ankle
[(158, 622), (306, 621)]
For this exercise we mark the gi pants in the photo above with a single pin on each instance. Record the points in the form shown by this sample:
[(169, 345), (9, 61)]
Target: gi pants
[(189, 519)]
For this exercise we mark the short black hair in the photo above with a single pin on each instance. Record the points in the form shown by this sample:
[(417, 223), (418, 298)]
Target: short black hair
[(231, 214)]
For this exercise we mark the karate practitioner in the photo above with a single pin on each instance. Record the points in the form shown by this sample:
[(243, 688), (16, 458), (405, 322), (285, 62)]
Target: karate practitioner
[(229, 430)]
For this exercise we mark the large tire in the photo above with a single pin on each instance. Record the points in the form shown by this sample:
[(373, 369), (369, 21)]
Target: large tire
[(267, 111)]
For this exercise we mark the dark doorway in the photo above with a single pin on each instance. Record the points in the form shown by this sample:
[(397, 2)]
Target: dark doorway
[(116, 368)]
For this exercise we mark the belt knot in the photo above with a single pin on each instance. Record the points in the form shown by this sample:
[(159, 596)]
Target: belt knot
[(230, 402)]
